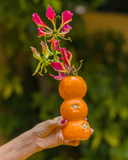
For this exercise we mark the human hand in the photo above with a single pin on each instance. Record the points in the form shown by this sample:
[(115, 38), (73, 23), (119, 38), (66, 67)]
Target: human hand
[(48, 134)]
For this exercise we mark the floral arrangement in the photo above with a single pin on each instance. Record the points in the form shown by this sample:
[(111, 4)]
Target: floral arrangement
[(56, 56)]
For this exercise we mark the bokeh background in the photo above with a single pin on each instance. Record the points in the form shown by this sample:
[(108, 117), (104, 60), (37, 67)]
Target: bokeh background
[(99, 36)]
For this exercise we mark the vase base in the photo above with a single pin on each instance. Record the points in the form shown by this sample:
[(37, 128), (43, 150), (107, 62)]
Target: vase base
[(77, 130)]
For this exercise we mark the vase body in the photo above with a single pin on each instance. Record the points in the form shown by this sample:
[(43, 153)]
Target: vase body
[(72, 89)]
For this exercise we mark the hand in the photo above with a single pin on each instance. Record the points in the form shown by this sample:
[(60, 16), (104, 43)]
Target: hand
[(48, 134)]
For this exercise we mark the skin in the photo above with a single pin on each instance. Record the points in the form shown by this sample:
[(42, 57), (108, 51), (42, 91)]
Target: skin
[(47, 134)]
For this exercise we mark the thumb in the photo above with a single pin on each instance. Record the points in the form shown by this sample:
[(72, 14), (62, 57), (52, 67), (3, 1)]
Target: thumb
[(44, 128), (59, 122), (50, 125)]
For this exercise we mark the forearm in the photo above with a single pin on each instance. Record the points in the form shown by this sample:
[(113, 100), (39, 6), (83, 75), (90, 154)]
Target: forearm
[(20, 148)]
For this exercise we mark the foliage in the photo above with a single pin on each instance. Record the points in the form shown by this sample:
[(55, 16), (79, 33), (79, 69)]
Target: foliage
[(27, 100)]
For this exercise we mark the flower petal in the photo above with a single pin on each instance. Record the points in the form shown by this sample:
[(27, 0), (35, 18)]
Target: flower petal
[(38, 20), (58, 66), (54, 43), (66, 28), (66, 17), (50, 14), (59, 77), (44, 49), (60, 58), (36, 54), (41, 32), (67, 57), (37, 68)]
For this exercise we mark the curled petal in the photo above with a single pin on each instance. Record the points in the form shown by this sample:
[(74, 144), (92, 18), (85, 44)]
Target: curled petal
[(60, 76), (37, 69), (50, 14), (44, 49), (42, 33), (66, 17), (66, 28), (58, 66), (67, 62), (38, 20), (60, 58), (67, 57), (36, 54), (54, 43)]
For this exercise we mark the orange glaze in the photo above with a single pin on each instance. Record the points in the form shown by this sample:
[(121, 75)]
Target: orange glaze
[(77, 130), (74, 109), (72, 87)]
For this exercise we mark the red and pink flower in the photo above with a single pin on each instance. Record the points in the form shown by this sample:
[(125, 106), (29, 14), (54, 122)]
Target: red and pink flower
[(44, 30), (60, 64), (64, 69)]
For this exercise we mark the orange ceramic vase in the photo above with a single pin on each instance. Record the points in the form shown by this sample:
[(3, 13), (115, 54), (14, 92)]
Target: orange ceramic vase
[(72, 89)]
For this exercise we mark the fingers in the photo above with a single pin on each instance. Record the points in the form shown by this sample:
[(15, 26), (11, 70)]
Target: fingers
[(48, 126), (92, 130), (86, 119), (72, 143)]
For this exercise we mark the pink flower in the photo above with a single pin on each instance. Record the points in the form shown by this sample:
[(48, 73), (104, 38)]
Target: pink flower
[(54, 43), (63, 69), (44, 30)]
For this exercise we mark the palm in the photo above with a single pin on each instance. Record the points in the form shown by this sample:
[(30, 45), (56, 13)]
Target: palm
[(54, 139)]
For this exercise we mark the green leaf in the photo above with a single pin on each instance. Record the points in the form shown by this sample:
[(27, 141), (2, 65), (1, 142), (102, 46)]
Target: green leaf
[(7, 91), (112, 135), (96, 140)]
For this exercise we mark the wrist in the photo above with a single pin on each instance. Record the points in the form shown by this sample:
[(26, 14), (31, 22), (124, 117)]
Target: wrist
[(20, 148), (30, 143)]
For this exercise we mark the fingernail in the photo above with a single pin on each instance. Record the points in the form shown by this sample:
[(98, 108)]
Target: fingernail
[(63, 121), (92, 130)]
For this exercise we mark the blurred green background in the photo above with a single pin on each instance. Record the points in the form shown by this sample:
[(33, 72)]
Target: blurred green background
[(99, 36)]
